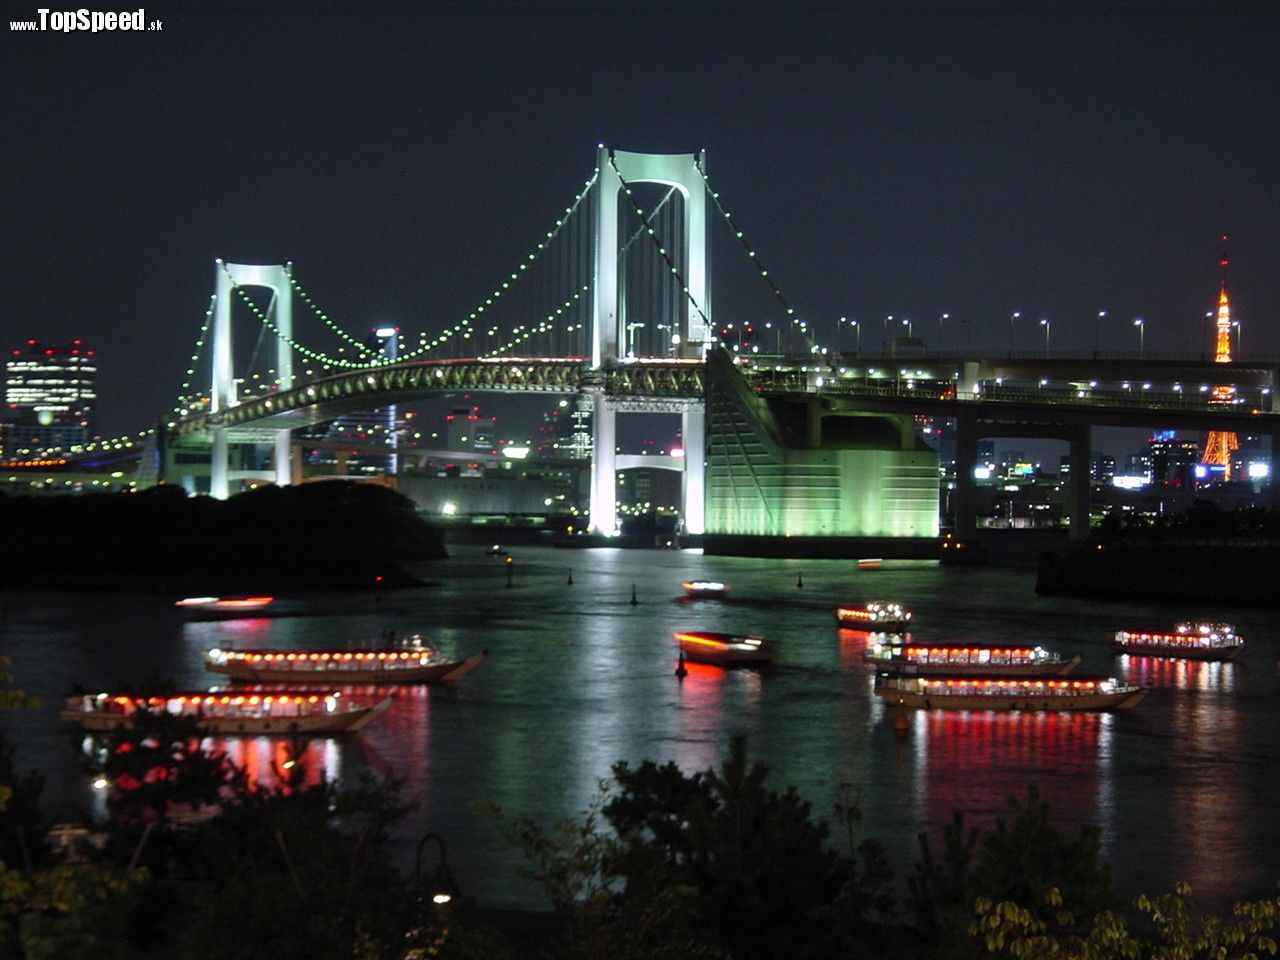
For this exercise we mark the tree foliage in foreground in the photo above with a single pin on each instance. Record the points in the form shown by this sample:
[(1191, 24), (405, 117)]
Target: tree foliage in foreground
[(705, 865), (1166, 927)]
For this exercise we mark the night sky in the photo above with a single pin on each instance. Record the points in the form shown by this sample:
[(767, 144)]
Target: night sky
[(905, 159)]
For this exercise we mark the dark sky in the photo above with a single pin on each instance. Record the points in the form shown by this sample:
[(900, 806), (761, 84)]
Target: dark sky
[(909, 159)]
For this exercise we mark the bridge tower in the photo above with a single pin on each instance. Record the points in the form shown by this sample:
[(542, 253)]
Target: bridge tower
[(617, 170), (1219, 445), (222, 394)]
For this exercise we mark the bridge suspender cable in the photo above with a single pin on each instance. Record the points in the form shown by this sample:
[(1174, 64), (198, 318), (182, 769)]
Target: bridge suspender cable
[(755, 260)]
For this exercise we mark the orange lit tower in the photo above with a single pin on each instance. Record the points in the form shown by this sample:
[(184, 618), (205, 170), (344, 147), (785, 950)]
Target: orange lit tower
[(1220, 444)]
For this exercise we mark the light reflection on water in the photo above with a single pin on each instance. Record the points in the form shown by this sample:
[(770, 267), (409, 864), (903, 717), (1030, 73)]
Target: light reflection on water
[(578, 678)]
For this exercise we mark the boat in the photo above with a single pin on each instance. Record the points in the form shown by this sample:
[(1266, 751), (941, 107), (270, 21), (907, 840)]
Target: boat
[(249, 712), (224, 606), (725, 649), (1007, 693), (705, 588), (412, 663), (1190, 640), (874, 615), (969, 659)]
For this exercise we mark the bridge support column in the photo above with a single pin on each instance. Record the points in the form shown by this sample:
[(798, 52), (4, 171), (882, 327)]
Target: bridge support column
[(604, 473), (1081, 482), (693, 506), (218, 466), (966, 500), (1275, 465), (283, 458)]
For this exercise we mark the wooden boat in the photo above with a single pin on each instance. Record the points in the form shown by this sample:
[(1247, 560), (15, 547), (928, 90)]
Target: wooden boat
[(223, 606), (414, 663), (969, 659), (874, 615), (1007, 693), (725, 649), (705, 588), (1190, 640), (248, 712)]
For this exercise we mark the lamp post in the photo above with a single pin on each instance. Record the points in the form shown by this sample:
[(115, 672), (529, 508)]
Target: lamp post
[(1044, 322), (1097, 330), (1239, 338), (442, 888), (631, 338), (907, 323), (857, 331), (941, 319), (884, 335), (1142, 335), (1014, 316)]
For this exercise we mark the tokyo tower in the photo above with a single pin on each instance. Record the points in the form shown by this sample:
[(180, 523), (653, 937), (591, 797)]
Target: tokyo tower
[(1220, 444)]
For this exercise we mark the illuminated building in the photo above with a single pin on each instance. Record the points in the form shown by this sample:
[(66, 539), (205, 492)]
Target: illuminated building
[(50, 395), (1172, 460), (1219, 445)]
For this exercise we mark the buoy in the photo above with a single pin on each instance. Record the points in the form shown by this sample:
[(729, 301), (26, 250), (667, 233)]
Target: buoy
[(634, 601), (901, 721), (681, 671), (800, 580), (570, 580)]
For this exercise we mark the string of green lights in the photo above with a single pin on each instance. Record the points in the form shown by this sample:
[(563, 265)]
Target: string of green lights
[(801, 325)]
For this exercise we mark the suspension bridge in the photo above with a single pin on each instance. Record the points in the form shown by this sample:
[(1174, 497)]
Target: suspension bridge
[(614, 303)]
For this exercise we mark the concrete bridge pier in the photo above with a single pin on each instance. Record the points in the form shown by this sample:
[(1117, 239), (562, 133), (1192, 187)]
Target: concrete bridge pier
[(1081, 481), (218, 484), (966, 501), (604, 472), (693, 506)]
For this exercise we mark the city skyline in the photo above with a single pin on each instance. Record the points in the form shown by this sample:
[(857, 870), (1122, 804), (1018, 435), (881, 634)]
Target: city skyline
[(967, 159)]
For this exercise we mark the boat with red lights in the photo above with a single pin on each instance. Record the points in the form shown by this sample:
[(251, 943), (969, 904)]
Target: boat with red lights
[(705, 588), (725, 649), (249, 712), (224, 606), (1007, 693), (1190, 640), (874, 615), (412, 663), (969, 659)]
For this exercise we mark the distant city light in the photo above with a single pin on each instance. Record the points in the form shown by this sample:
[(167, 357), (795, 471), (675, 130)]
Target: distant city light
[(449, 508), (514, 452), (982, 472), (1259, 471)]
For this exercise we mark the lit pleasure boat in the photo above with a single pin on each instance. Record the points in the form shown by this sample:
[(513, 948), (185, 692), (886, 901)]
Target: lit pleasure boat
[(413, 663), (969, 659), (249, 712), (725, 649), (1007, 693), (705, 588), (1190, 640), (224, 606), (874, 615)]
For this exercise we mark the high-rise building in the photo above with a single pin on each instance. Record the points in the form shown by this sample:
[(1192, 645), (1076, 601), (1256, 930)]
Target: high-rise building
[(50, 395), (1173, 460)]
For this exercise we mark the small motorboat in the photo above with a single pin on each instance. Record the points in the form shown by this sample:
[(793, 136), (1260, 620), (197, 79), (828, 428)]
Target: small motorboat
[(249, 712), (223, 607), (884, 615), (1007, 693), (725, 649), (705, 589), (1190, 640)]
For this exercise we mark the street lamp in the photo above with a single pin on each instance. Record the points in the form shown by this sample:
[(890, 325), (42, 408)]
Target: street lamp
[(631, 340), (945, 316), (442, 888), (907, 323), (1044, 322), (1239, 338), (857, 330), (1016, 314), (884, 334), (1142, 335), (1097, 330)]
